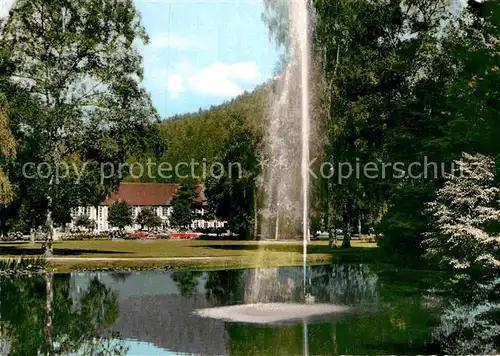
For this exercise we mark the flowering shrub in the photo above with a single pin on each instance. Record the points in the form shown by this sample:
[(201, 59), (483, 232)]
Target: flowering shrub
[(84, 236), (138, 235), (463, 209)]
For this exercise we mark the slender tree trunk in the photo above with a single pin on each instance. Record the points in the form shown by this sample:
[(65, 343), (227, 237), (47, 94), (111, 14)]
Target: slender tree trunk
[(359, 225), (346, 242), (346, 218), (332, 238), (49, 236), (49, 301), (255, 215), (2, 217), (335, 234), (32, 235)]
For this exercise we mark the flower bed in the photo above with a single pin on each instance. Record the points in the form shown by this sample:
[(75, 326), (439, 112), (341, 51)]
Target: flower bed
[(138, 235), (184, 235), (84, 236)]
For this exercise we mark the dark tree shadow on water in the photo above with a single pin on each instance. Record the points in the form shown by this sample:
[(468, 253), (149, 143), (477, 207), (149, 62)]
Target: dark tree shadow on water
[(26, 251), (288, 248)]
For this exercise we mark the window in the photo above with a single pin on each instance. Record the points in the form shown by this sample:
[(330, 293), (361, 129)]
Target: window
[(87, 211), (99, 212), (164, 211)]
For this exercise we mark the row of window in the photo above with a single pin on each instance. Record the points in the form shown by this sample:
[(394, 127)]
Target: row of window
[(135, 211)]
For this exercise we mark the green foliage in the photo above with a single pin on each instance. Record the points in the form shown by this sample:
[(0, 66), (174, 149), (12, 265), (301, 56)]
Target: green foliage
[(182, 205), (200, 137), (23, 265), (7, 145), (465, 217), (81, 75), (147, 217), (120, 214), (186, 282), (75, 328), (231, 192), (399, 92), (85, 222)]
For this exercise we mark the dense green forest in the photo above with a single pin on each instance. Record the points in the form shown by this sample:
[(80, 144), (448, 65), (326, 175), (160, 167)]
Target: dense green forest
[(411, 81)]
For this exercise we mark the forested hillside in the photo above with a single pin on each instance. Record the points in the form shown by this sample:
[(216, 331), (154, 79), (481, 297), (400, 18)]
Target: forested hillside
[(201, 137)]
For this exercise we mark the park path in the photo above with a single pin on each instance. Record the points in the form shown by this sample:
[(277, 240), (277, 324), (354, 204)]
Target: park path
[(130, 259)]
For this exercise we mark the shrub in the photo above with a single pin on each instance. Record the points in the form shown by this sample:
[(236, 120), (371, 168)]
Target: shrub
[(23, 264), (15, 235)]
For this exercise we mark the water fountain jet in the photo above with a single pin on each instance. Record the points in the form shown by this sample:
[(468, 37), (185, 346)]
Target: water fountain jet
[(285, 183)]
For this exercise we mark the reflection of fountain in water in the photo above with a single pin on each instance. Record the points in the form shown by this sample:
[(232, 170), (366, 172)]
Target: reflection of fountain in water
[(349, 284), (276, 295)]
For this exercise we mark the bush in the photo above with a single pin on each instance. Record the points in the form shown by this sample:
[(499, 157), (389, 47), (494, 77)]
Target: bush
[(117, 234), (23, 264), (84, 236), (15, 235)]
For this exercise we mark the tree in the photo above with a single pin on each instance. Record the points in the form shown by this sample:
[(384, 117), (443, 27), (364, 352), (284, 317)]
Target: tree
[(120, 215), (451, 107), (7, 149), (276, 17), (463, 235), (373, 53), (231, 193), (85, 222), (182, 206), (77, 326), (77, 59), (147, 217), (186, 282)]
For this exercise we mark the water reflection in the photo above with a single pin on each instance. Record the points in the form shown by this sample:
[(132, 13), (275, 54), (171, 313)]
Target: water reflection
[(470, 319), (39, 316), (152, 312)]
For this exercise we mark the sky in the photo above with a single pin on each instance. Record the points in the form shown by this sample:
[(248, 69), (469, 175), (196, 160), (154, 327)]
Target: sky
[(201, 52), (204, 52)]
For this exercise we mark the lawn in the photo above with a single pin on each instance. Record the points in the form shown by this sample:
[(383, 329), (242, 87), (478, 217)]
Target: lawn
[(101, 254)]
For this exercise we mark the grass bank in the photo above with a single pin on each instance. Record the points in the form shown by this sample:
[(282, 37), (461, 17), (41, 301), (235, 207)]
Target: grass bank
[(193, 254)]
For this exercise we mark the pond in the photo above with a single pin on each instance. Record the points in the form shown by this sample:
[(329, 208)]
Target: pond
[(158, 312)]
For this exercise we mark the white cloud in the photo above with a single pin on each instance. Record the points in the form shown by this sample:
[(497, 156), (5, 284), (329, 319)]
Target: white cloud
[(212, 83), (5, 6), (245, 71), (220, 80), (175, 84), (225, 80)]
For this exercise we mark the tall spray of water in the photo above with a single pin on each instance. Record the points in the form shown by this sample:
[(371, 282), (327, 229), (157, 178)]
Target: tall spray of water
[(303, 27), (284, 212)]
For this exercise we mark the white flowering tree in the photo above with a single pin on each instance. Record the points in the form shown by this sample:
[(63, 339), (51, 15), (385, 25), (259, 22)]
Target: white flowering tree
[(464, 209)]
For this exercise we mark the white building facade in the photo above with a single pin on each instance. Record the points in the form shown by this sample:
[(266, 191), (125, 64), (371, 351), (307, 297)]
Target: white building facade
[(139, 196)]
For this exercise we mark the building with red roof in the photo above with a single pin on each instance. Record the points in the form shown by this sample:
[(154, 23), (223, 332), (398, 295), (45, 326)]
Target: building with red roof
[(141, 195)]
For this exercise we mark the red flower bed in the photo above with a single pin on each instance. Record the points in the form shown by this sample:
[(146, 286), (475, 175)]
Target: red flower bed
[(184, 235), (139, 235)]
